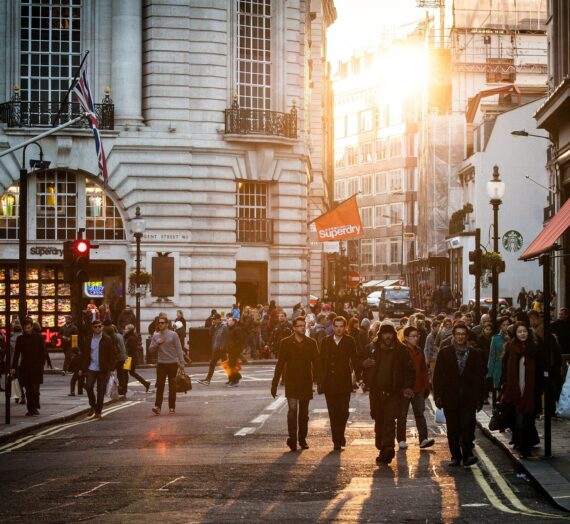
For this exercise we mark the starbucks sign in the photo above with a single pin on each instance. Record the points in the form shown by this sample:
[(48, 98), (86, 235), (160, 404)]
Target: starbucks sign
[(512, 240)]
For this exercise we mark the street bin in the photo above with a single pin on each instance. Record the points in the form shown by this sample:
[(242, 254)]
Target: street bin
[(200, 344)]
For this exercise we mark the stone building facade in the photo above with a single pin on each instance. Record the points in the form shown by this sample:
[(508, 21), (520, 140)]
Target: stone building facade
[(209, 131)]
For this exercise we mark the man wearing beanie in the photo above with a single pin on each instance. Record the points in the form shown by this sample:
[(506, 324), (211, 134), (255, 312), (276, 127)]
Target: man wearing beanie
[(391, 377)]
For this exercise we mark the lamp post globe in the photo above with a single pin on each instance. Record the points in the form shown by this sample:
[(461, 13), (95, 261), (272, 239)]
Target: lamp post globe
[(138, 227)]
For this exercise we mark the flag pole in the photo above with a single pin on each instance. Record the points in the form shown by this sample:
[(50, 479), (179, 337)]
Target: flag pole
[(56, 118)]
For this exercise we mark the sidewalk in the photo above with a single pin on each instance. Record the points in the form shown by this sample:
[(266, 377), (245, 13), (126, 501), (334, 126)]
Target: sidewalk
[(551, 474)]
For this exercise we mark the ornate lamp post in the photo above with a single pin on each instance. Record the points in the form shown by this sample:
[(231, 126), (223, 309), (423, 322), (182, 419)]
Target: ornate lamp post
[(496, 191), (139, 226)]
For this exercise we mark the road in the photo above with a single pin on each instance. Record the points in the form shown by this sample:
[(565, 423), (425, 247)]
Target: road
[(222, 458)]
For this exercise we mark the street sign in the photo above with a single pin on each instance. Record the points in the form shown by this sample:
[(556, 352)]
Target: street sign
[(409, 236), (353, 278)]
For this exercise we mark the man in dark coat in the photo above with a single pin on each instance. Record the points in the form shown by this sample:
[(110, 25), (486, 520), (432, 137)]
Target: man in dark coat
[(299, 354), (459, 388), (65, 333), (391, 377), (338, 360), (97, 361), (31, 348)]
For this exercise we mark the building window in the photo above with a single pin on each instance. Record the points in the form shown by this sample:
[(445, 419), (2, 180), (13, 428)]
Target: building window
[(366, 120), (396, 213), (366, 153), (395, 251), (352, 186), (366, 215), (252, 222), (351, 155), (396, 180), (382, 215), (50, 41), (56, 205), (366, 181), (395, 146), (339, 192), (381, 252), (9, 212), (366, 252), (381, 182), (380, 149), (254, 54), (102, 220)]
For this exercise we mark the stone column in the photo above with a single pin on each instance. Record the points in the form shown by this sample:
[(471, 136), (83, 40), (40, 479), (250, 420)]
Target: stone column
[(127, 62)]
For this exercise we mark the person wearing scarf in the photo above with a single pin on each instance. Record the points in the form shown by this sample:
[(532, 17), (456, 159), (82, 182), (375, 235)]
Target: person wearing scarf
[(521, 385)]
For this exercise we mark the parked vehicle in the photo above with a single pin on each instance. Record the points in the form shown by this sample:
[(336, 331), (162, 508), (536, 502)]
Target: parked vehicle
[(373, 300), (503, 303), (395, 301)]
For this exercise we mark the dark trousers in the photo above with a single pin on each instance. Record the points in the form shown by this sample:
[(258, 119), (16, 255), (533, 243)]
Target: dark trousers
[(337, 405), (122, 377), (162, 371), (99, 378), (79, 380), (67, 358), (32, 396), (218, 354), (385, 409), (418, 406), (133, 373), (525, 435), (460, 431), (298, 414)]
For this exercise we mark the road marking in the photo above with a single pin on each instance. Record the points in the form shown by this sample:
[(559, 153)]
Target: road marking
[(24, 441), (505, 488), (489, 493), (169, 483), (260, 419), (94, 489), (276, 404), (325, 410), (35, 485), (244, 431)]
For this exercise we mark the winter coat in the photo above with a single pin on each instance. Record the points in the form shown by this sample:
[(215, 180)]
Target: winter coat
[(303, 367), (421, 382), (403, 373), (107, 360), (495, 362), (132, 345), (31, 349), (337, 364)]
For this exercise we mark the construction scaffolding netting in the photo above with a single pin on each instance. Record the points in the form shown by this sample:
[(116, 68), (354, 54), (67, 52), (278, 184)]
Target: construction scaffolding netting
[(512, 15)]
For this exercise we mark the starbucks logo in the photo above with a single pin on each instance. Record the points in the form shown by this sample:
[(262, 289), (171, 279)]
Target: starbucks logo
[(512, 240)]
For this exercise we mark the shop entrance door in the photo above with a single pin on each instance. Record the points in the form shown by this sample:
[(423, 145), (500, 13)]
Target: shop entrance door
[(251, 283)]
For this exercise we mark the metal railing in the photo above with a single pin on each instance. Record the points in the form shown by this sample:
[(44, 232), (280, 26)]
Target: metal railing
[(17, 113), (254, 230), (240, 121)]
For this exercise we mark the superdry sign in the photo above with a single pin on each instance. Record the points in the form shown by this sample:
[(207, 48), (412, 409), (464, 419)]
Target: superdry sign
[(340, 223)]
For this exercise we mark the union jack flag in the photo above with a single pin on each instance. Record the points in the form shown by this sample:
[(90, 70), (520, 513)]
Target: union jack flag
[(83, 93)]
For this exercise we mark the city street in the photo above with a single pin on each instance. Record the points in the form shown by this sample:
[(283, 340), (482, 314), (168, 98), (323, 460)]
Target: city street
[(222, 458)]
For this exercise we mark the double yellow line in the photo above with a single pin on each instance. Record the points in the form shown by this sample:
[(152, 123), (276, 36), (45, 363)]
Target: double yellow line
[(28, 439)]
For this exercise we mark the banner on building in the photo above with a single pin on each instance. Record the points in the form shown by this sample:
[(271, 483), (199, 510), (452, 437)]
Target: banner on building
[(341, 223)]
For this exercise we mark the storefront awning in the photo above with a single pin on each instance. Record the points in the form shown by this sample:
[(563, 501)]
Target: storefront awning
[(546, 239)]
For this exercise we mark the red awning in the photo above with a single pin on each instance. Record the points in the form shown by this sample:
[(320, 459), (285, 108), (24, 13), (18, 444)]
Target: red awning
[(546, 239)]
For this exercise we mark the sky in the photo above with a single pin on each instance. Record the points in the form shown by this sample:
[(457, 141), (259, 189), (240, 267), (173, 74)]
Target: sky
[(362, 23)]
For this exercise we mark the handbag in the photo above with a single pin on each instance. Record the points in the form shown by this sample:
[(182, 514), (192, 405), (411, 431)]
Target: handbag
[(439, 416), (112, 390), (128, 363), (503, 417), (182, 382)]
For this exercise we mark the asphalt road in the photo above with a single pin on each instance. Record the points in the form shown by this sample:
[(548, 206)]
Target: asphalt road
[(222, 458)]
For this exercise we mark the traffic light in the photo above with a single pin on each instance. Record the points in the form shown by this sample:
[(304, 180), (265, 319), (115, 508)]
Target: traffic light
[(81, 250), (475, 265)]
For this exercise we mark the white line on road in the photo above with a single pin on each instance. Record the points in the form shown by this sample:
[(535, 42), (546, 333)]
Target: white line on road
[(244, 431), (276, 404), (260, 419), (35, 485), (325, 410), (95, 489), (169, 483)]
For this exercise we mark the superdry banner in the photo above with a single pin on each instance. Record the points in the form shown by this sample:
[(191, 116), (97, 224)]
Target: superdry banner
[(342, 222)]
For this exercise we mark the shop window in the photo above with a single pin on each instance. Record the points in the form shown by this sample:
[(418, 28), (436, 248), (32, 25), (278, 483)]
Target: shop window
[(9, 213), (102, 218), (56, 205)]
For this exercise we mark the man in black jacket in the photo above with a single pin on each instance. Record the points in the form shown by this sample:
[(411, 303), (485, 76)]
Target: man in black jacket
[(338, 360), (31, 348), (391, 377), (97, 361), (299, 354), (459, 388)]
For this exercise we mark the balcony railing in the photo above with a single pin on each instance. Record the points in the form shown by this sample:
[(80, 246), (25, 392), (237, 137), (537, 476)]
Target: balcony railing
[(260, 122), (255, 230), (17, 113)]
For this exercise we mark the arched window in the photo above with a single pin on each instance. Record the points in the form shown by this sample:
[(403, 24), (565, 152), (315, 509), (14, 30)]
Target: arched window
[(64, 202)]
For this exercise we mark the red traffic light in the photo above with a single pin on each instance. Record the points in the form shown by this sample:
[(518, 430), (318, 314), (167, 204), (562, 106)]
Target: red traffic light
[(81, 247)]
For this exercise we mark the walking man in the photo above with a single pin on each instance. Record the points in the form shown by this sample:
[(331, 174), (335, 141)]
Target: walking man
[(298, 353), (459, 388), (31, 348), (65, 333), (391, 378), (169, 360), (338, 361), (219, 338), (97, 362), (421, 391)]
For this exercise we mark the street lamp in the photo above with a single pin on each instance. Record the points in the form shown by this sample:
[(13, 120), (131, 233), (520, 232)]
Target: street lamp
[(522, 132), (138, 226), (496, 191)]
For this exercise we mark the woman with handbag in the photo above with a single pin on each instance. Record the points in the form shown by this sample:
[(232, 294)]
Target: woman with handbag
[(132, 344), (521, 385)]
